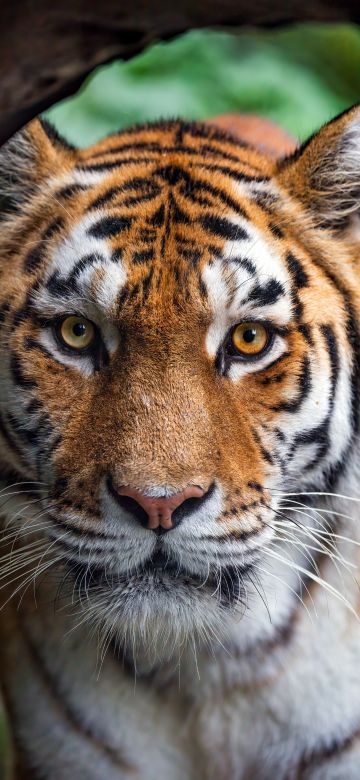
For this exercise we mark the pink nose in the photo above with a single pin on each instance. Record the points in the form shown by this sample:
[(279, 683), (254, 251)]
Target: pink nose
[(160, 510)]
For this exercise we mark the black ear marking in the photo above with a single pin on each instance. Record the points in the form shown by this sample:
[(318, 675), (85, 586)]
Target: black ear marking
[(55, 137)]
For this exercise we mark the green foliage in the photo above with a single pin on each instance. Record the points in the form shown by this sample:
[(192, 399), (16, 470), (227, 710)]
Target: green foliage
[(299, 76)]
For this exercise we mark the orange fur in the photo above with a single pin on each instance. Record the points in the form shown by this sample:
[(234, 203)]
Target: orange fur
[(160, 412)]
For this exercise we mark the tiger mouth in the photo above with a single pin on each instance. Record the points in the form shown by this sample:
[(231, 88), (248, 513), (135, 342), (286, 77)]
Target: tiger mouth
[(165, 574)]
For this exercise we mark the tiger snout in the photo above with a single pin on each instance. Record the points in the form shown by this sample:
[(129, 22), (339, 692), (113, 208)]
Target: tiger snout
[(161, 512)]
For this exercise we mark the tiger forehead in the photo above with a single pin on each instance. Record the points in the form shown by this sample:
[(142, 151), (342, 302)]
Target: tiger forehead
[(194, 142), (152, 233), (190, 173)]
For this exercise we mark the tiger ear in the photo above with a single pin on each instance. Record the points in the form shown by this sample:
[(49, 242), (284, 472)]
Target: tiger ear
[(32, 155), (325, 173)]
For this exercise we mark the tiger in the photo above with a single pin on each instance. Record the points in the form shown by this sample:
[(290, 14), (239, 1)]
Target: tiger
[(179, 451)]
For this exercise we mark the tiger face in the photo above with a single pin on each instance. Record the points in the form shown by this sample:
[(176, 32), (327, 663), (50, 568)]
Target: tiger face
[(178, 318)]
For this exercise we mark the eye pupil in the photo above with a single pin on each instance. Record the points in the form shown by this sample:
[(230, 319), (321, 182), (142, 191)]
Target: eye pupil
[(249, 335), (79, 329)]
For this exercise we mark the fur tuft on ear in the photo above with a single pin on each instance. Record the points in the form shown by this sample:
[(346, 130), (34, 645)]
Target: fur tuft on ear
[(325, 172), (34, 154)]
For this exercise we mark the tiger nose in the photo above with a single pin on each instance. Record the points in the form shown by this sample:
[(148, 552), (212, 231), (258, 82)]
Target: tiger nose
[(155, 512)]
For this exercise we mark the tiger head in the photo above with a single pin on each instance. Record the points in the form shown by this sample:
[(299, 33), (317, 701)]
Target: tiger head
[(178, 331)]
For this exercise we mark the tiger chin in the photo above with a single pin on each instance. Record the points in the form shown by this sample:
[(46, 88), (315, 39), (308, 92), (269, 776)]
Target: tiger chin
[(179, 452)]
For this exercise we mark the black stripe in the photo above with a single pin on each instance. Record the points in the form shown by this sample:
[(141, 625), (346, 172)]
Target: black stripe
[(24, 760), (147, 146), (110, 166), (135, 200), (295, 274), (200, 200), (180, 128), (105, 198), (200, 130), (141, 183), (296, 271), (279, 434), (305, 387), (53, 228), (223, 228), (116, 255), (270, 380), (267, 294), (189, 189), (319, 435), (119, 163), (353, 335), (34, 258), (278, 360), (264, 452), (57, 287), (146, 283), (18, 375), (137, 183), (233, 174), (204, 150), (27, 436), (70, 190), (30, 343), (34, 406), (54, 136), (275, 230), (325, 753), (256, 486), (21, 315), (143, 256), (80, 266), (178, 216), (305, 331), (173, 174), (109, 226), (243, 262), (191, 255), (158, 218), (68, 712), (333, 351), (197, 185)]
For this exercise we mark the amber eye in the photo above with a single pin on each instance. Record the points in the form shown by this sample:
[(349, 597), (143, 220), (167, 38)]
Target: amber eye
[(250, 338), (76, 333)]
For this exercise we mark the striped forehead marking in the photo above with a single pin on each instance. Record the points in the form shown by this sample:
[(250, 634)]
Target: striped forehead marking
[(84, 268), (249, 280)]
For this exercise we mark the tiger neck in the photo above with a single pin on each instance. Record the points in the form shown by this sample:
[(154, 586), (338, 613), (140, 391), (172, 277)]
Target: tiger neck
[(47, 655)]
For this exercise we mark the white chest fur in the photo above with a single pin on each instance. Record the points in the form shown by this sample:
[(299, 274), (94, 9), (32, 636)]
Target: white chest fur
[(238, 713)]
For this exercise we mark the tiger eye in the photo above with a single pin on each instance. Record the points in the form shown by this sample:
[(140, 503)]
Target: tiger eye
[(250, 338), (77, 333)]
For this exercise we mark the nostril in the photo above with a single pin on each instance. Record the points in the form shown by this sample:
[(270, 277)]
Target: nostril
[(129, 504), (163, 512), (191, 505)]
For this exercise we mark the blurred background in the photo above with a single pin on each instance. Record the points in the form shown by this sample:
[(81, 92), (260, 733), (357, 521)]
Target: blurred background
[(299, 77)]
